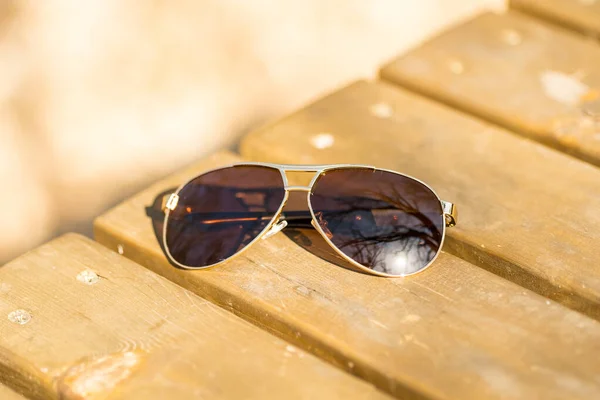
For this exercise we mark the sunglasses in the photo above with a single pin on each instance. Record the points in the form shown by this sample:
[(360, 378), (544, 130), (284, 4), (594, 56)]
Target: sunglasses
[(380, 221)]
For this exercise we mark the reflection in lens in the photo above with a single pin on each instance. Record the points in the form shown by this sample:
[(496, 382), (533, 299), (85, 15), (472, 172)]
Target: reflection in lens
[(384, 221), (221, 212)]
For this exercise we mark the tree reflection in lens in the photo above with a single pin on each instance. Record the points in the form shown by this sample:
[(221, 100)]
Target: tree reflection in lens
[(384, 221)]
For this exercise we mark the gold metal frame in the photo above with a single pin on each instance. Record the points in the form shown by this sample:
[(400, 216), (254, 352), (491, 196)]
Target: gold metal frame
[(449, 211)]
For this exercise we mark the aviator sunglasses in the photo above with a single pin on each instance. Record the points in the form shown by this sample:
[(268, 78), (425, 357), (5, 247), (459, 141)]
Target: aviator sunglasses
[(380, 221)]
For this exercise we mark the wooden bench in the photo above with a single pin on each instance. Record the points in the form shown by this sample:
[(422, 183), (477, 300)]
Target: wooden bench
[(434, 335), (582, 16), (490, 113), (94, 323), (538, 81)]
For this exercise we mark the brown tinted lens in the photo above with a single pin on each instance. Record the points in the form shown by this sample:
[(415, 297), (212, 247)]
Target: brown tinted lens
[(384, 221), (222, 211)]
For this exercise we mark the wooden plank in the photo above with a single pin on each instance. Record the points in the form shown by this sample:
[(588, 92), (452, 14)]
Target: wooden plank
[(135, 335), (454, 331), (8, 394), (528, 213), (512, 70), (580, 15)]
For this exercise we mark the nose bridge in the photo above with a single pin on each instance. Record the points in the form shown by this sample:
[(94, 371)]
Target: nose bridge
[(299, 180), (297, 188)]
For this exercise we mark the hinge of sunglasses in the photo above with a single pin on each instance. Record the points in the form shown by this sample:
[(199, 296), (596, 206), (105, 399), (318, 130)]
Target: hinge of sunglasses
[(169, 202), (450, 213)]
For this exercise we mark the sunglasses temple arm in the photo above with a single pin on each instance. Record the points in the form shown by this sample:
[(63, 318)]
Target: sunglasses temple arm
[(295, 219)]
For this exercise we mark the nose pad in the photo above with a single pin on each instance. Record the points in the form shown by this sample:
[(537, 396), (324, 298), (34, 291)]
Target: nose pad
[(278, 226)]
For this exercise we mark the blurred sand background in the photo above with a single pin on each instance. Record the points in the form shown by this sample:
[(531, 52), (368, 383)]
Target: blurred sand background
[(99, 98)]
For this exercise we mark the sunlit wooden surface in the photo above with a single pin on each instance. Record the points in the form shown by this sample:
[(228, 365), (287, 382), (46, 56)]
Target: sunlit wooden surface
[(119, 331), (536, 79), (500, 115), (582, 16), (428, 335), (527, 213), (8, 394)]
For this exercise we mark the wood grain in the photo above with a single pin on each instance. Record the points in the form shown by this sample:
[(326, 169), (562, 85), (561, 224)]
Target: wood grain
[(454, 331), (580, 15), (135, 335), (527, 213), (8, 394), (515, 71)]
